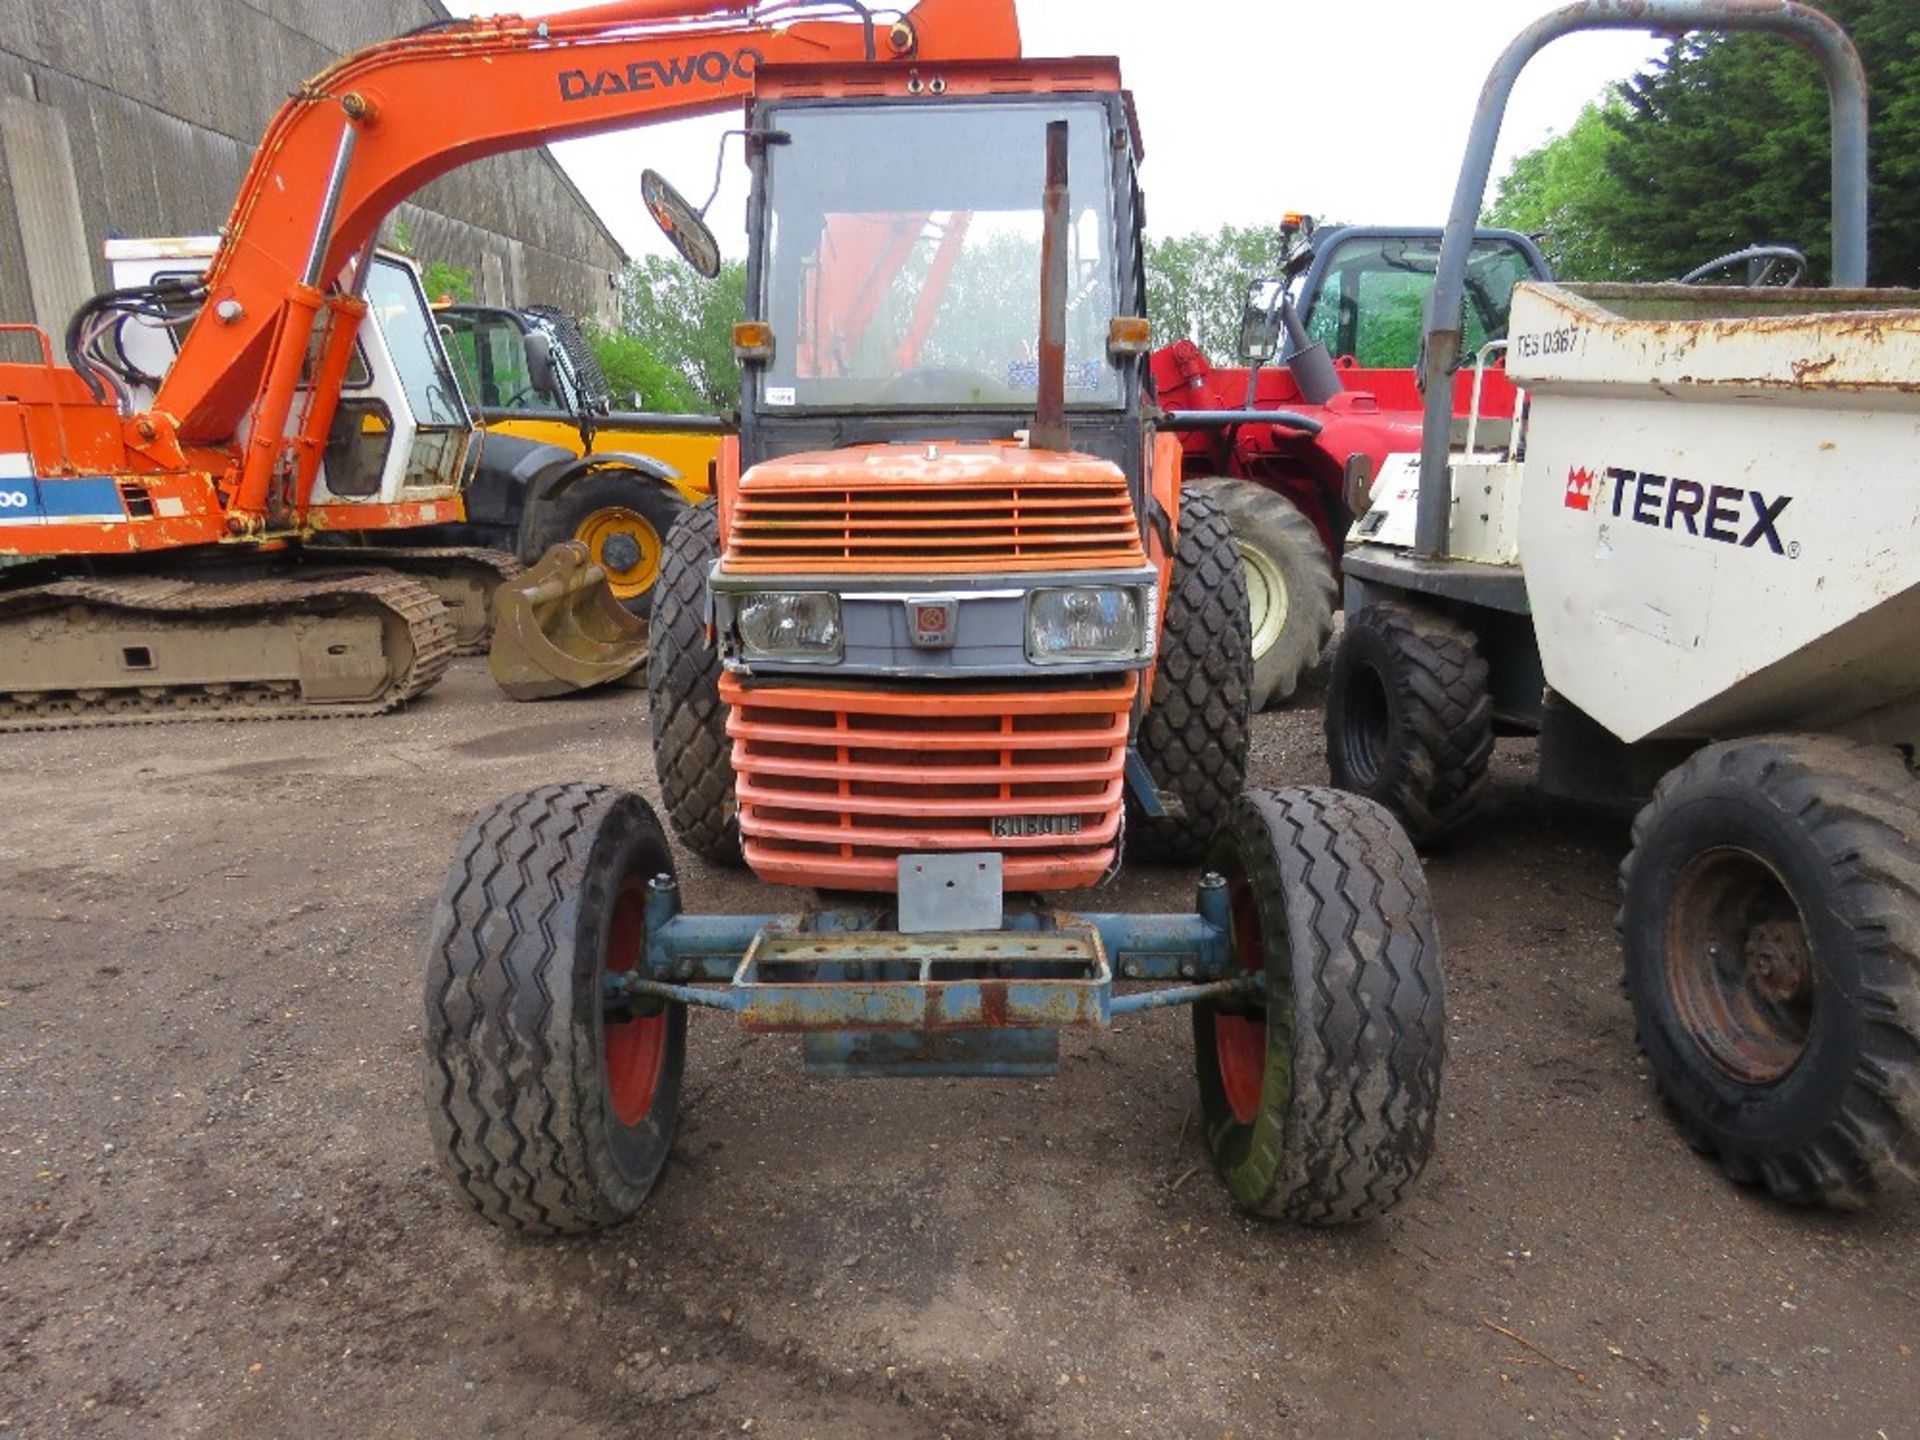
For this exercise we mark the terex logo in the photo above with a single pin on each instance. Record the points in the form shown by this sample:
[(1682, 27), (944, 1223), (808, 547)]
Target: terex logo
[(1580, 489), (1727, 513), (708, 67)]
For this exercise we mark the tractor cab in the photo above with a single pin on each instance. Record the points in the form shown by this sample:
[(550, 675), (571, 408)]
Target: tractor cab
[(939, 495)]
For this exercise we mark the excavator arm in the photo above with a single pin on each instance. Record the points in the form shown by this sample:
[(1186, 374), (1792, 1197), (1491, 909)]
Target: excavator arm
[(377, 126)]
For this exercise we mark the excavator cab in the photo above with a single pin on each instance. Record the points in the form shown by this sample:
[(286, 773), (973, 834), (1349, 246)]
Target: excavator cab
[(402, 430)]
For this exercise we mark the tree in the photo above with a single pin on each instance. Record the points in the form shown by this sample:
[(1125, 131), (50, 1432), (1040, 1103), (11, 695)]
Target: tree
[(687, 322), (638, 377), (1551, 193), (1724, 143), (1197, 284)]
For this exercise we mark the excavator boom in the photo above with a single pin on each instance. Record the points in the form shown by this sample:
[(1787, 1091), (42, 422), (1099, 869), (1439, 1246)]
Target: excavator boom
[(388, 119)]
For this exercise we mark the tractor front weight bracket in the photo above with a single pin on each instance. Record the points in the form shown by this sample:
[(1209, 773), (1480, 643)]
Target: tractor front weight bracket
[(870, 1000)]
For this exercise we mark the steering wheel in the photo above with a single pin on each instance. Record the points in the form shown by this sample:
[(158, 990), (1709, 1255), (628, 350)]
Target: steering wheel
[(946, 383), (1777, 266)]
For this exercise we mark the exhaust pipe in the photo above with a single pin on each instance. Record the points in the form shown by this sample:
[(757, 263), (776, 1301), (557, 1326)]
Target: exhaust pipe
[(1050, 403)]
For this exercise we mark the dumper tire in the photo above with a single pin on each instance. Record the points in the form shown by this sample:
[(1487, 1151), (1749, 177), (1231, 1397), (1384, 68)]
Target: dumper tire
[(553, 1114), (1771, 930), (1409, 718), (691, 752), (1291, 590), (1319, 1102), (1195, 734), (613, 505)]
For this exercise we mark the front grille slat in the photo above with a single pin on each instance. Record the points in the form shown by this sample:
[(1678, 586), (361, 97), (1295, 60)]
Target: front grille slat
[(965, 523), (830, 792)]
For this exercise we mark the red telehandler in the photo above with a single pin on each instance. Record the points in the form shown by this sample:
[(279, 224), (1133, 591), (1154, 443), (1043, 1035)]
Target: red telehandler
[(1333, 342), (167, 571)]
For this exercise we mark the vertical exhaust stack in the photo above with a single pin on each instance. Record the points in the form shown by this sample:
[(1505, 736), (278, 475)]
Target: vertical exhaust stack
[(1050, 404)]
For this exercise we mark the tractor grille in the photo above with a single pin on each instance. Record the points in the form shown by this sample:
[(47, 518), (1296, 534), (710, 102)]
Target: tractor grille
[(1082, 522), (834, 784)]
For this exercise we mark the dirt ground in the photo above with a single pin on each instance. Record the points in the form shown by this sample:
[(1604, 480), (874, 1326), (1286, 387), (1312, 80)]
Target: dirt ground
[(219, 1214)]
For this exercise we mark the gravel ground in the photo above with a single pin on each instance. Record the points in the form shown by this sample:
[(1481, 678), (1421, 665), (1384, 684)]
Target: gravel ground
[(219, 1214)]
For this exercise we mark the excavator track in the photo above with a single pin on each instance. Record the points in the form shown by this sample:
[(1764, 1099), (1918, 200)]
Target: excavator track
[(143, 650), (463, 576)]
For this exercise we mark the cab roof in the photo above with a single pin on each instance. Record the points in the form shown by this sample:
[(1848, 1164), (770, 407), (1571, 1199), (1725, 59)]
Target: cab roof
[(934, 81)]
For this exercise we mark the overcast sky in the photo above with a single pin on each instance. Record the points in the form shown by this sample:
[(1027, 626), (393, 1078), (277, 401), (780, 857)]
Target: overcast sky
[(1353, 110)]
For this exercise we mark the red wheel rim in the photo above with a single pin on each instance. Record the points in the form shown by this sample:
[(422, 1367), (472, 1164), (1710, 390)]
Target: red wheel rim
[(636, 1049), (1240, 1041)]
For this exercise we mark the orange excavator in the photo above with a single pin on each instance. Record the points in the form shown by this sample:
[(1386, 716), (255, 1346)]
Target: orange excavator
[(154, 539)]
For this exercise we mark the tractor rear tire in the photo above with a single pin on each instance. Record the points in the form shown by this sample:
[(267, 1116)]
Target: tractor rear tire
[(552, 1114), (1291, 592), (691, 752), (1409, 719), (1319, 1103), (1771, 929), (1196, 731), (622, 516)]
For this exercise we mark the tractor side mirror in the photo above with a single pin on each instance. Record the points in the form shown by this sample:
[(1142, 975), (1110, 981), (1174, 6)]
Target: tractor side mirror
[(680, 223), (540, 376), (1260, 321)]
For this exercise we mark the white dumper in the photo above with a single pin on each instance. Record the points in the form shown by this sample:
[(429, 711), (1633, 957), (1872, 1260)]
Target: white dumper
[(1696, 578)]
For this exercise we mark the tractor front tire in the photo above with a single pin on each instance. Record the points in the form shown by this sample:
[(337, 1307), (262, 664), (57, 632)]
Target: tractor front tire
[(1319, 1101), (552, 1113), (1771, 929), (1409, 720), (691, 752), (1291, 592), (621, 516), (1196, 731)]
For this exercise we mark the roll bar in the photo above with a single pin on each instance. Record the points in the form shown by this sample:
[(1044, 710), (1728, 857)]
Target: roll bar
[(1847, 94)]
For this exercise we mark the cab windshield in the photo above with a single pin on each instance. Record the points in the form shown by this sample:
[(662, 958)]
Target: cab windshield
[(399, 307), (1372, 304), (902, 267)]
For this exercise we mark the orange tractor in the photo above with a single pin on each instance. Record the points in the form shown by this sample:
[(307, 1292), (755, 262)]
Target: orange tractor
[(160, 527), (947, 640)]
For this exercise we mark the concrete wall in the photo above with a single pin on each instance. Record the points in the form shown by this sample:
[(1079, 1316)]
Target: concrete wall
[(143, 114)]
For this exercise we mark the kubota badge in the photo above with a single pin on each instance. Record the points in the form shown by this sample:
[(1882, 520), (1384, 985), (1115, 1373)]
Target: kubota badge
[(930, 621)]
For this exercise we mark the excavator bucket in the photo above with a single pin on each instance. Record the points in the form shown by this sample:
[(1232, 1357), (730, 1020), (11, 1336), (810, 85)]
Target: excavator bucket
[(557, 629)]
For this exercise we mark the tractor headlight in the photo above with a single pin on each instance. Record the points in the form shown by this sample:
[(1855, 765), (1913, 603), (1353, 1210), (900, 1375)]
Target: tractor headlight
[(1090, 622), (789, 625)]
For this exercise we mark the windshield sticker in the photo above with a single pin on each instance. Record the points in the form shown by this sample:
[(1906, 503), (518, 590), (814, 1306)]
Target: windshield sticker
[(1086, 375), (780, 395)]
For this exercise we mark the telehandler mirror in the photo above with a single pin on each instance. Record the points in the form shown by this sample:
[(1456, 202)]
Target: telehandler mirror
[(540, 377), (680, 223), (1260, 321)]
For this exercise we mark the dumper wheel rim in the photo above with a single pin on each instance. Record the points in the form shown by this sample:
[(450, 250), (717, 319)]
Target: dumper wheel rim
[(1800, 849), (603, 530), (635, 1043), (1744, 984), (1334, 1121)]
